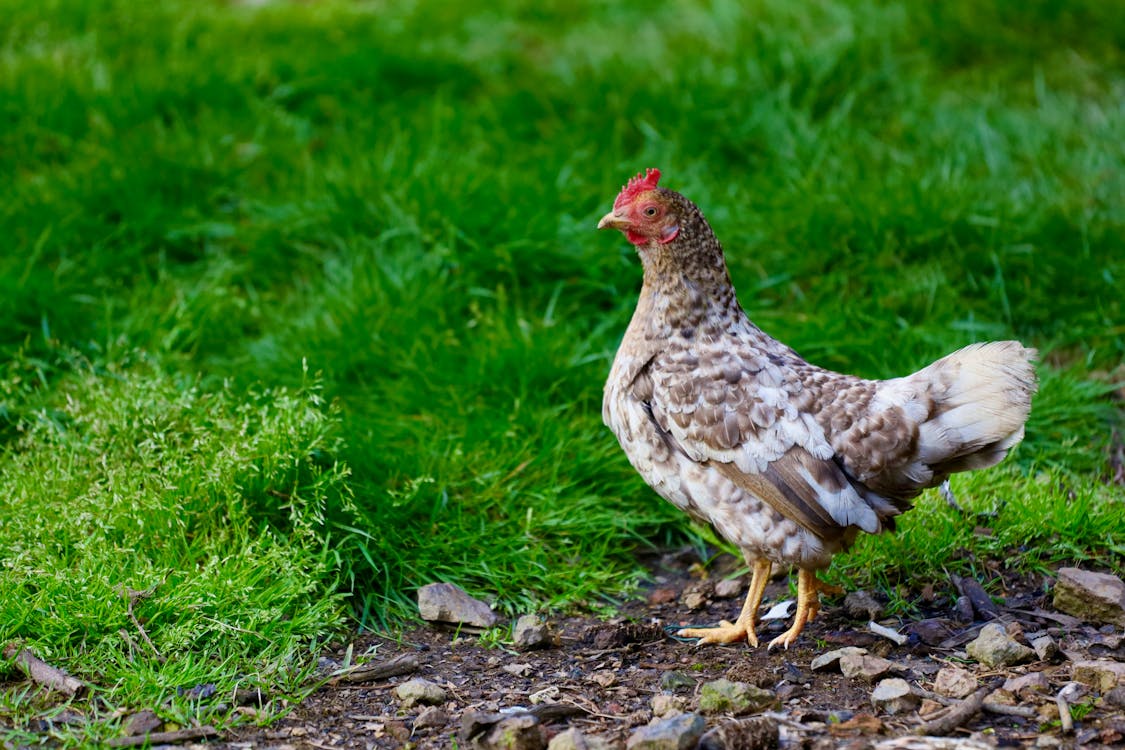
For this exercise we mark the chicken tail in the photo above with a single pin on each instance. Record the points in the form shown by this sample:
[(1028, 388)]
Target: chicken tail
[(981, 397)]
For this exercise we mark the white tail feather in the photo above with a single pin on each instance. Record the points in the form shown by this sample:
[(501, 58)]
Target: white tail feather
[(981, 398)]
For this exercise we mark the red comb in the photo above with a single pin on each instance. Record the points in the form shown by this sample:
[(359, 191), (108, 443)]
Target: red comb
[(636, 186)]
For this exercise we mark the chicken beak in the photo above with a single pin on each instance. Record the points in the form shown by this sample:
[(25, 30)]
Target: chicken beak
[(613, 221)]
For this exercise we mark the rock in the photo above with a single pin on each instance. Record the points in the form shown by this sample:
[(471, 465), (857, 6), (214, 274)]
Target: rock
[(431, 717), (677, 733), (444, 602), (674, 680), (517, 670), (932, 631), (1001, 697), (728, 588), (929, 708), (755, 733), (418, 690), (862, 606), (1115, 697), (1027, 684), (995, 648), (1045, 648), (1102, 675), (830, 660), (724, 696), (572, 739), (664, 705), (865, 667), (1093, 597), (530, 632), (519, 732), (694, 600), (955, 682), (894, 696)]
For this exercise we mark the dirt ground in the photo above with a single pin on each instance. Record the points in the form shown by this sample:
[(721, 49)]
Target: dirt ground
[(606, 677)]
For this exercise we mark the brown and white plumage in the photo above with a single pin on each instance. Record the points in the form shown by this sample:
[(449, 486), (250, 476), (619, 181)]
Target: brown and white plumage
[(786, 460)]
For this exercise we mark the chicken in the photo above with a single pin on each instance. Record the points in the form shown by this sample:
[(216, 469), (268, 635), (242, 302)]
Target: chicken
[(788, 461)]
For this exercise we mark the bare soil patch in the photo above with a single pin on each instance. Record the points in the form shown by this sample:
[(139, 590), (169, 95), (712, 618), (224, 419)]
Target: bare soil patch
[(602, 677)]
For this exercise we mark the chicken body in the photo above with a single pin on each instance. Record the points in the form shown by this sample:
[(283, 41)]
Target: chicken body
[(788, 461)]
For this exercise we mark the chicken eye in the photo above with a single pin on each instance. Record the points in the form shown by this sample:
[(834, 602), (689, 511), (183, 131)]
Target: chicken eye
[(650, 211)]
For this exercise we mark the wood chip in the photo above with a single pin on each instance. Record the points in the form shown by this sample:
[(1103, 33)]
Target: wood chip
[(165, 738), (369, 672), (43, 673), (958, 714), (980, 599)]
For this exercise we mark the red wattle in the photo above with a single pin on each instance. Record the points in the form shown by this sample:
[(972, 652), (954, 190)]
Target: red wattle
[(636, 239)]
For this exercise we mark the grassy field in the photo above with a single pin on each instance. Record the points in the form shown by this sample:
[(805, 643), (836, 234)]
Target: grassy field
[(301, 306)]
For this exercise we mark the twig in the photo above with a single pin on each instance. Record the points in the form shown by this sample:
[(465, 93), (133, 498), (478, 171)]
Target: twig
[(165, 738), (550, 712), (888, 633), (132, 596), (401, 664), (43, 673), (958, 714), (992, 708), (980, 599), (1065, 719), (1021, 711)]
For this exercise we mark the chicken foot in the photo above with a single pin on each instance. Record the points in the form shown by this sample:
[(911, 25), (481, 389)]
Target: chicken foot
[(808, 605), (743, 627)]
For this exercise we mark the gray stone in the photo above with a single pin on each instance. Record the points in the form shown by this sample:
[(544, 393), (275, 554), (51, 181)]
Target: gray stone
[(1115, 697), (664, 705), (862, 605), (866, 667), (894, 696), (677, 733), (530, 633), (694, 600), (1045, 647), (728, 588), (431, 717), (1090, 596), (1101, 674), (1026, 685), (995, 648), (724, 696), (418, 690), (955, 682), (444, 602), (831, 659), (754, 733), (674, 680), (520, 732), (572, 739)]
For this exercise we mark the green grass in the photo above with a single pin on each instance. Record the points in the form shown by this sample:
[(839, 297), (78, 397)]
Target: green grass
[(313, 292)]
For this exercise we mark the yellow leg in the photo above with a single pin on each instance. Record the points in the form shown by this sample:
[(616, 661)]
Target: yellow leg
[(808, 605), (743, 627)]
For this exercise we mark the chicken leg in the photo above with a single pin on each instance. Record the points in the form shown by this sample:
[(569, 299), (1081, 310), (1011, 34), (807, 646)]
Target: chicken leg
[(743, 627), (808, 605)]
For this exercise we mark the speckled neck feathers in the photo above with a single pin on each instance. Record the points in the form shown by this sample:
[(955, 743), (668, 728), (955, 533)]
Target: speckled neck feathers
[(686, 280)]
